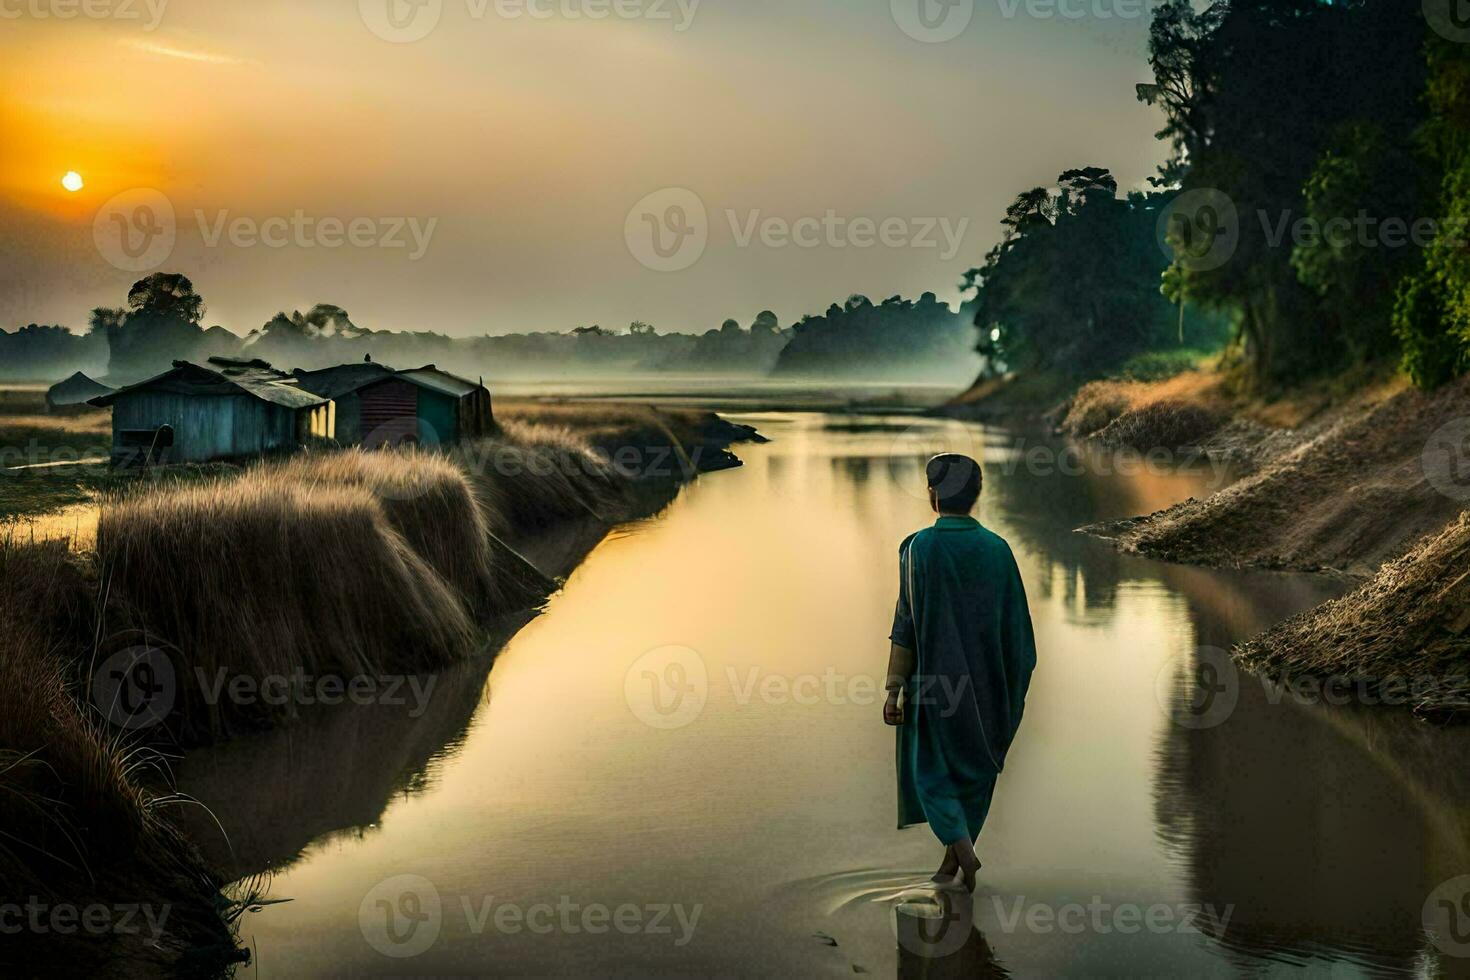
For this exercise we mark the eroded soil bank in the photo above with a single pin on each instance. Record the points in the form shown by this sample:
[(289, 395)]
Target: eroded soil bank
[(1370, 485)]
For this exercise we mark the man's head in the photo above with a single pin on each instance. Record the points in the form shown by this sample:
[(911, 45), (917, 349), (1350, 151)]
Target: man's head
[(954, 483)]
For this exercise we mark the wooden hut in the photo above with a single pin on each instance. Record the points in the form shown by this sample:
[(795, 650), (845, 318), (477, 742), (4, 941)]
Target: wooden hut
[(233, 408), (73, 394), (377, 406)]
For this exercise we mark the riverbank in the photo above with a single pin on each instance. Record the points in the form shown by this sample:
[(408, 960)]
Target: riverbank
[(1360, 477), (342, 564)]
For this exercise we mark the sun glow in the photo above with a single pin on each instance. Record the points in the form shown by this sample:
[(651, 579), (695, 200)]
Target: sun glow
[(72, 181)]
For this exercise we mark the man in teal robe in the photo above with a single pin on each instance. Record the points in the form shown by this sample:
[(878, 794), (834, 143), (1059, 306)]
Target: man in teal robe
[(961, 661)]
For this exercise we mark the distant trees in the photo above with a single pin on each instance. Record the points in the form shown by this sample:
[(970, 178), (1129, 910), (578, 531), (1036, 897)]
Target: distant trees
[(898, 339), (43, 352), (160, 323)]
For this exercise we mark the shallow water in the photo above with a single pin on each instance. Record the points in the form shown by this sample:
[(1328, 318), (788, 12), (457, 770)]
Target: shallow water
[(680, 768)]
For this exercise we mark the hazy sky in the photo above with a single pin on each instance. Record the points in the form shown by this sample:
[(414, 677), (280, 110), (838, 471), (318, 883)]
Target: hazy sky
[(487, 176)]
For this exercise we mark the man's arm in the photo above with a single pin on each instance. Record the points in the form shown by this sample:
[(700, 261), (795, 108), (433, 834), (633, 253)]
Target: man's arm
[(900, 669), (902, 660)]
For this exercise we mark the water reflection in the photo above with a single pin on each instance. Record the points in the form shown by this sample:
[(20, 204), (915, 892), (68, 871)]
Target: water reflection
[(1325, 830)]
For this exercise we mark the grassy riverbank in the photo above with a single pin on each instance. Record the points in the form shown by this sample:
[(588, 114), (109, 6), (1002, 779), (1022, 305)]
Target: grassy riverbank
[(333, 564)]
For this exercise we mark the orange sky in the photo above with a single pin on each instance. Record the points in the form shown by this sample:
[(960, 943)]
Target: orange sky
[(522, 143)]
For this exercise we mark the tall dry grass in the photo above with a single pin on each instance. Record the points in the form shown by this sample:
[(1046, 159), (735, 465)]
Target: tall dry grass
[(427, 499), (266, 575), (536, 474), (78, 829)]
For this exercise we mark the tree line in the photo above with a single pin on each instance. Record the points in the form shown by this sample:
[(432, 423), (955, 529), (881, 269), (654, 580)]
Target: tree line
[(163, 321), (1313, 206)]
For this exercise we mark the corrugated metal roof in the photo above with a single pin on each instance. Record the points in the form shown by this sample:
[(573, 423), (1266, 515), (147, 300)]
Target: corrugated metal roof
[(333, 382), (442, 381), (337, 381), (264, 383)]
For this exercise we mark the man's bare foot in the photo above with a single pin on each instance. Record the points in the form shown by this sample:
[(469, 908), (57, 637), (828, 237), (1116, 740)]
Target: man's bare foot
[(969, 864), (948, 868), (968, 872)]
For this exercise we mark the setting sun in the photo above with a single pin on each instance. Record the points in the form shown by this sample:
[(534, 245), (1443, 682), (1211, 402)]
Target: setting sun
[(72, 181)]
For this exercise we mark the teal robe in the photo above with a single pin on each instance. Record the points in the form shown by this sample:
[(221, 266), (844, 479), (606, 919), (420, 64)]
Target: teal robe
[(962, 610)]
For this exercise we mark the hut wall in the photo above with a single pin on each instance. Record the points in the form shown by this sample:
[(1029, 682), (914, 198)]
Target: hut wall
[(206, 427), (349, 418)]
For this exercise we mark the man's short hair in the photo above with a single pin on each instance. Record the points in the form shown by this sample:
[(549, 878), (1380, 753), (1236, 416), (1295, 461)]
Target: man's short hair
[(955, 480)]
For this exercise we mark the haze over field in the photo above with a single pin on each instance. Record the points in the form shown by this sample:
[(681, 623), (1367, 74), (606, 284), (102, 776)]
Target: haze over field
[(497, 161)]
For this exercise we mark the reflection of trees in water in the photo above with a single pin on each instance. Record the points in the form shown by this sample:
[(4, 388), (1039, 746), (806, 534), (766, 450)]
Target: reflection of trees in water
[(276, 793), (1324, 828), (857, 470)]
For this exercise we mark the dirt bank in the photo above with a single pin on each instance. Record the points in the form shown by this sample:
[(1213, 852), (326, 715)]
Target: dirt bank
[(1402, 638), (1355, 487)]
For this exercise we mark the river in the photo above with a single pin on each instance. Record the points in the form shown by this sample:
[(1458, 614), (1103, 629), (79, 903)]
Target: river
[(680, 767)]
